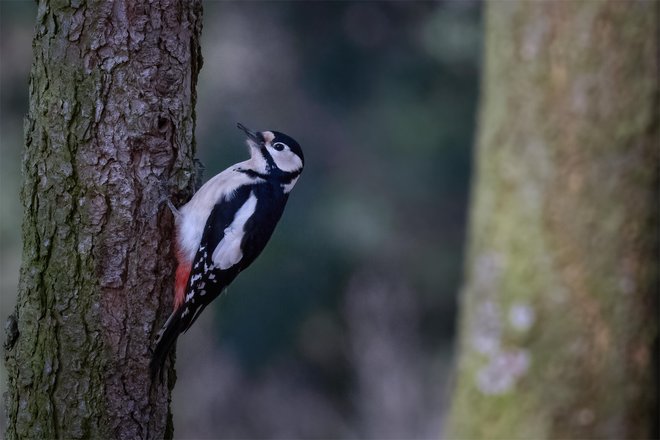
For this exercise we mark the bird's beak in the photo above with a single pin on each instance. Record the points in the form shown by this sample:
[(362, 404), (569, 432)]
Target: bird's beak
[(257, 138)]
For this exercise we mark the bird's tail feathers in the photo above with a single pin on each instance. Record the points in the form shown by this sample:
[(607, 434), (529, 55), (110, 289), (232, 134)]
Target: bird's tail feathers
[(167, 337)]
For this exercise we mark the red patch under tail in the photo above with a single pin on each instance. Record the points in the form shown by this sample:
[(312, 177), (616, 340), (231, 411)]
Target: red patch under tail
[(181, 280), (182, 275)]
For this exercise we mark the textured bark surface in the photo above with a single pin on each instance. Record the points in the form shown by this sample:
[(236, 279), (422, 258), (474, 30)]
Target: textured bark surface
[(559, 313), (109, 134)]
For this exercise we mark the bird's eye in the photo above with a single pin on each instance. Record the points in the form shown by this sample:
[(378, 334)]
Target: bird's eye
[(279, 146)]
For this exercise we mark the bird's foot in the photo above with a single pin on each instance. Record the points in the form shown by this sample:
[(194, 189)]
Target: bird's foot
[(170, 205)]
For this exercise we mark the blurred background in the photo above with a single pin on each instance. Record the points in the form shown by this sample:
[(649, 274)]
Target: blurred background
[(344, 327)]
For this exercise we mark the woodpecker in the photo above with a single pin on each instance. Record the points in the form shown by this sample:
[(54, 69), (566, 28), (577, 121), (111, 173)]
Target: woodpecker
[(225, 226)]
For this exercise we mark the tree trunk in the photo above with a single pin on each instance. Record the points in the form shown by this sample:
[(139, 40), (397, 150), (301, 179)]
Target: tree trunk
[(559, 312), (109, 135)]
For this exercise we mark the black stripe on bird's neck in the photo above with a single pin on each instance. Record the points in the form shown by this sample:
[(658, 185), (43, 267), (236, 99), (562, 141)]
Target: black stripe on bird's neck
[(254, 174), (287, 177), (280, 176)]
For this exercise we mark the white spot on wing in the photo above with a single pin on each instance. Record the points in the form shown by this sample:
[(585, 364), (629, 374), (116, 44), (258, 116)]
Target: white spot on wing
[(229, 252)]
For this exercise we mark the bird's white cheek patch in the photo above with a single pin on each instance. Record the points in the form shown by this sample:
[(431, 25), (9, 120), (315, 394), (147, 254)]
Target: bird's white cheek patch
[(228, 252), (287, 161)]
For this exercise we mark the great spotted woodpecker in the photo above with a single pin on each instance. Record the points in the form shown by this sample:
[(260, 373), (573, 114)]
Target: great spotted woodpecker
[(225, 226)]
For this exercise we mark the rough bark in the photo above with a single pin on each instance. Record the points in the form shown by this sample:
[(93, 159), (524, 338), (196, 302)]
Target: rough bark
[(559, 311), (109, 134)]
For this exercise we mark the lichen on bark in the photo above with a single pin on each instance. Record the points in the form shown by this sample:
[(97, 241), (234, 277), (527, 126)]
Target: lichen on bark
[(559, 317), (108, 136)]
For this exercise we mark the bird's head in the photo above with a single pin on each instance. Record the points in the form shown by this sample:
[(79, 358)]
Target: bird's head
[(277, 149)]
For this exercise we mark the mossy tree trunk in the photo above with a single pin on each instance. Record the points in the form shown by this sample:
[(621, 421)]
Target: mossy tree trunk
[(109, 134), (559, 312)]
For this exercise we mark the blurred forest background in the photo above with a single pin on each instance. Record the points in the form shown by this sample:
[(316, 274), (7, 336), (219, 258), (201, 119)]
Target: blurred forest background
[(345, 325)]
